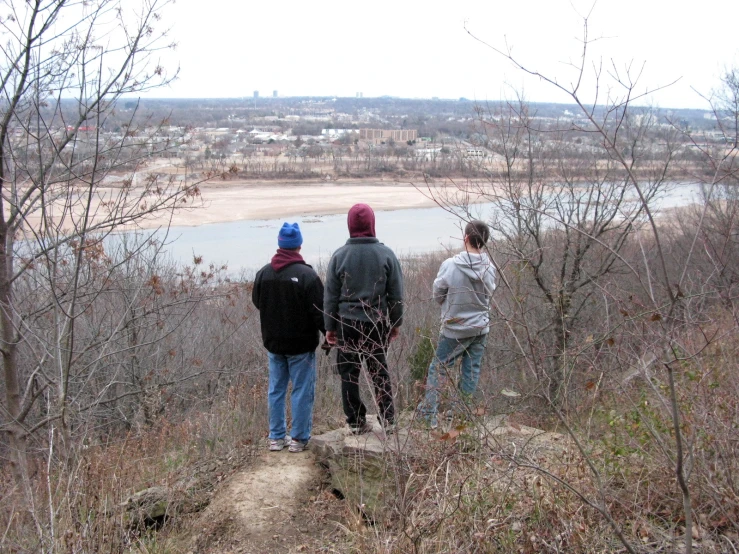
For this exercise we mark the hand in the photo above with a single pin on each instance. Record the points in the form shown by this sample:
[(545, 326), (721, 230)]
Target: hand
[(331, 338), (394, 333)]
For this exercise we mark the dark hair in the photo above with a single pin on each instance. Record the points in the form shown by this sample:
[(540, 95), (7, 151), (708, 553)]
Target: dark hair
[(478, 233)]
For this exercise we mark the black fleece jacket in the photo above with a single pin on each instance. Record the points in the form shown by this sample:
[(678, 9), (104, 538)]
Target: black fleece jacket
[(289, 301)]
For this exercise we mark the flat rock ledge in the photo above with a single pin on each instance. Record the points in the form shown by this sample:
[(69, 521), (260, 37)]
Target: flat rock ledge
[(367, 469), (364, 468)]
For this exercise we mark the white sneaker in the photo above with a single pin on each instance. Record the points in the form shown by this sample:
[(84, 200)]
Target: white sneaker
[(275, 445), (297, 446)]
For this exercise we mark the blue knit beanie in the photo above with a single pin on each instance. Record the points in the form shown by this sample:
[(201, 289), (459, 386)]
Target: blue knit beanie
[(290, 236)]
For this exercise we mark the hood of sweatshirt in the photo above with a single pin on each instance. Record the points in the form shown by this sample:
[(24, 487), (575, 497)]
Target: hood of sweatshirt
[(284, 258), (475, 266), (361, 221)]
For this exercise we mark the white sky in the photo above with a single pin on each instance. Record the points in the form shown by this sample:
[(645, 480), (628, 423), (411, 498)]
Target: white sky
[(419, 48)]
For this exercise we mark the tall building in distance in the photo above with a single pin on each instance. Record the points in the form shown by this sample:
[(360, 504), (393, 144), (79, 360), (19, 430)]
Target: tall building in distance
[(256, 94), (379, 136), (360, 95), (274, 94)]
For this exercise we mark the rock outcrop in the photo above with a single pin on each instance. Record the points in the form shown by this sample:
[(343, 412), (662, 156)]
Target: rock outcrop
[(364, 467), (367, 470)]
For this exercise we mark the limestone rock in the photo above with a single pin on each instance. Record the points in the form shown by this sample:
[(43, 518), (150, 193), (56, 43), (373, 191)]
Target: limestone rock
[(367, 469), (363, 467), (148, 507)]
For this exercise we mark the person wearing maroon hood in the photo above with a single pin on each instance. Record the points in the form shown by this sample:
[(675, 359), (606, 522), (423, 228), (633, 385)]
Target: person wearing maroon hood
[(363, 310), (289, 296)]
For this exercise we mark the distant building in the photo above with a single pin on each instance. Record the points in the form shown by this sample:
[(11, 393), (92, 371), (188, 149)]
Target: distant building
[(335, 132), (478, 153), (427, 154), (83, 129), (274, 94), (256, 94), (378, 136)]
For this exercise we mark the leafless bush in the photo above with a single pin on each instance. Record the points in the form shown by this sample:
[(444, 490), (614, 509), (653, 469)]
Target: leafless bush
[(609, 316)]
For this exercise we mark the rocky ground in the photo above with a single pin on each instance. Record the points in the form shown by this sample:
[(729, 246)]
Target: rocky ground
[(280, 504), (316, 501)]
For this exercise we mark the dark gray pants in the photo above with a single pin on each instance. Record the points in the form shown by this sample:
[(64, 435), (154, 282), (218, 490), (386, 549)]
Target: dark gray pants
[(364, 341)]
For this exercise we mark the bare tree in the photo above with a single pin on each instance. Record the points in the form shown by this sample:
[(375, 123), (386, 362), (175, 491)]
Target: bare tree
[(67, 183), (567, 227), (714, 223)]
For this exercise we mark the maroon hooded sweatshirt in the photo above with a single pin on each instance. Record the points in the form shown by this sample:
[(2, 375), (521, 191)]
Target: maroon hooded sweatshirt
[(364, 280), (361, 221)]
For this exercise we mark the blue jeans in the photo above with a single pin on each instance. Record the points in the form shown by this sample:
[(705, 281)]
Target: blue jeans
[(448, 350), (301, 370)]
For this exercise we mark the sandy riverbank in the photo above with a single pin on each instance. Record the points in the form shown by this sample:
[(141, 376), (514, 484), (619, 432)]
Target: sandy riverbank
[(228, 201), (253, 200)]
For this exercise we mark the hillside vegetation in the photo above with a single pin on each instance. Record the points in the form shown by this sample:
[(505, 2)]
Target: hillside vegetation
[(125, 376)]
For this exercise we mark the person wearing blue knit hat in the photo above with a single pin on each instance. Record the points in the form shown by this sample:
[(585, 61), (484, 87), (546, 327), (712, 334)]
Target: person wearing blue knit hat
[(290, 236), (289, 296)]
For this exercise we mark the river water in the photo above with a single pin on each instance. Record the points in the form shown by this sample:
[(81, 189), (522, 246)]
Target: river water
[(245, 246), (248, 245)]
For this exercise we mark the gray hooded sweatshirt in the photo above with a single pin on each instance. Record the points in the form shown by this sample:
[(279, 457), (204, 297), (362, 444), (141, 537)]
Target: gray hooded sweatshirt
[(463, 287)]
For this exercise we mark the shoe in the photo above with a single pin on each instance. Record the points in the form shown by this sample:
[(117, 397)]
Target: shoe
[(361, 429), (297, 446), (430, 422), (389, 427), (275, 445)]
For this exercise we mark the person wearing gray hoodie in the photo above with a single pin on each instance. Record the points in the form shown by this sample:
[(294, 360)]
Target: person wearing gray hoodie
[(463, 287)]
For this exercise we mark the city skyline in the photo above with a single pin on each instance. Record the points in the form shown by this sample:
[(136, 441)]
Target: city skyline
[(417, 50)]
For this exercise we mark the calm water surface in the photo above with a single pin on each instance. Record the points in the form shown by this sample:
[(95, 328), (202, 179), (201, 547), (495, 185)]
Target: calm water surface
[(248, 245)]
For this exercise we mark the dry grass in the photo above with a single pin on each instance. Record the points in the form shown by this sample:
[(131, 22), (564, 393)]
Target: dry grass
[(81, 508), (472, 491), (467, 491)]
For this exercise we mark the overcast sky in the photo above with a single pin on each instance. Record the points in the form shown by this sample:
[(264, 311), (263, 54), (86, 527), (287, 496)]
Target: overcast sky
[(410, 48)]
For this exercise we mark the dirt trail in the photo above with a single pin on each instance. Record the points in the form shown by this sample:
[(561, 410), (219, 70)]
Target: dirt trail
[(269, 507)]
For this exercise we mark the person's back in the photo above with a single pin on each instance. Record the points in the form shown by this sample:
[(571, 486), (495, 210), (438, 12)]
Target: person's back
[(289, 300), (463, 287), (363, 310), (289, 295), (365, 282)]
